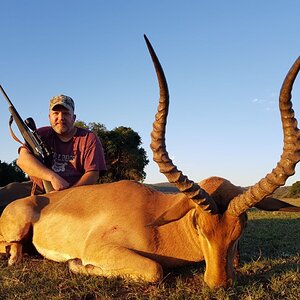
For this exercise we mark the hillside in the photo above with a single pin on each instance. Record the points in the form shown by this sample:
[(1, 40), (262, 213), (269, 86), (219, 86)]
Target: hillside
[(166, 187)]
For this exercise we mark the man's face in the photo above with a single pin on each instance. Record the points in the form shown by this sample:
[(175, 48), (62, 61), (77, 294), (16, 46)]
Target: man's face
[(62, 120)]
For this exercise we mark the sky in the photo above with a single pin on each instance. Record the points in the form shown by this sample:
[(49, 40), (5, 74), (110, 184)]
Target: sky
[(224, 62)]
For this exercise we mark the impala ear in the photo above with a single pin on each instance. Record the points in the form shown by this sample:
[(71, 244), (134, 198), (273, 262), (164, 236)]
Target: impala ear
[(174, 213), (273, 204)]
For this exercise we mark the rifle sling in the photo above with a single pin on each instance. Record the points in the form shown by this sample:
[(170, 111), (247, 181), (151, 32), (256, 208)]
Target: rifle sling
[(11, 119)]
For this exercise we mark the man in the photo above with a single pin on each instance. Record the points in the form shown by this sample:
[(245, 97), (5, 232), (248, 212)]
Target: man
[(78, 157)]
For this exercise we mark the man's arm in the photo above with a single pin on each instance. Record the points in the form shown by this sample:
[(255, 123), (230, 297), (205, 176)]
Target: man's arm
[(90, 177), (33, 167)]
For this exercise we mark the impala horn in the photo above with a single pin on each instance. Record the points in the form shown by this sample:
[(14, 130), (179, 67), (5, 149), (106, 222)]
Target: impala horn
[(290, 155), (160, 155)]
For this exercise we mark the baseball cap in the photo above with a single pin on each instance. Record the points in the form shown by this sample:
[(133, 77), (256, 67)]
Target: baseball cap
[(62, 100)]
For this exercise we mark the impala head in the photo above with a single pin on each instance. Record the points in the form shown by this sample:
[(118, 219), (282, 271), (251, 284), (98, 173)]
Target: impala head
[(220, 207)]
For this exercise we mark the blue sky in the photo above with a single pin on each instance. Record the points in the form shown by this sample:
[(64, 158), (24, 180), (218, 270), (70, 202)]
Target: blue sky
[(224, 61)]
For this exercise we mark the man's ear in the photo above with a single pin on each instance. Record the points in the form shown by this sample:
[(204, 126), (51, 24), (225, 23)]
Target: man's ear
[(74, 117)]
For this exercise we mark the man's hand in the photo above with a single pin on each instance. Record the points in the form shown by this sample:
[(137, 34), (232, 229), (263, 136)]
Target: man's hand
[(58, 182), (33, 167), (90, 177)]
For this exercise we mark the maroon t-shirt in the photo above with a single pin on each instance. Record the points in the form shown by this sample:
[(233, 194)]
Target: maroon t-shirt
[(83, 153)]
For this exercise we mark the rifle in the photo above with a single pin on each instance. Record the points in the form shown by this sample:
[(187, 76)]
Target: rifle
[(32, 138)]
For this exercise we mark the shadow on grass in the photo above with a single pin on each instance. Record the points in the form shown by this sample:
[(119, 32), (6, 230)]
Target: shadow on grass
[(270, 238)]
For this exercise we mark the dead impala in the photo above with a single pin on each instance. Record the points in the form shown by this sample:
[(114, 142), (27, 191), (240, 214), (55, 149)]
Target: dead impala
[(127, 229)]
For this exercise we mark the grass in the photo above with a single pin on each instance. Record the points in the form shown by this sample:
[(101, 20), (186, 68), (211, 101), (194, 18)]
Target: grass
[(269, 269)]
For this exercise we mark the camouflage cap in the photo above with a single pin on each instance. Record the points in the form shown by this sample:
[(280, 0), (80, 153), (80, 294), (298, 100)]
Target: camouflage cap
[(63, 100)]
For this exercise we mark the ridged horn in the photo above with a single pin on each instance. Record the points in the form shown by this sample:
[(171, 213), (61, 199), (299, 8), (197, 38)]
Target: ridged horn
[(290, 155), (158, 145)]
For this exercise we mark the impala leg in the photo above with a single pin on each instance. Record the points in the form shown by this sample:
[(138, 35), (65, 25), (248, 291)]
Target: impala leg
[(3, 249), (117, 261), (15, 252), (3, 244), (15, 224)]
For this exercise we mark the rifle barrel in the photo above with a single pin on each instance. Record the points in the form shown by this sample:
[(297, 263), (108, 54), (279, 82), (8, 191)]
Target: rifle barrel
[(5, 95)]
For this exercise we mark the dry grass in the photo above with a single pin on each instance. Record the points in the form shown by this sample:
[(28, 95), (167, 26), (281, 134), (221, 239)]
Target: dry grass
[(293, 201)]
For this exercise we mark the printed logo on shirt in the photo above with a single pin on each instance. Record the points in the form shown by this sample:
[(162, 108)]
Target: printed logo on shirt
[(60, 162)]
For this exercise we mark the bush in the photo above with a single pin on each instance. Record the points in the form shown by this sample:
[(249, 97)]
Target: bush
[(294, 190)]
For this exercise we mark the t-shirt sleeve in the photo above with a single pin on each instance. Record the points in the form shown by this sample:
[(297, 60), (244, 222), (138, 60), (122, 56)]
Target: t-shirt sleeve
[(94, 159)]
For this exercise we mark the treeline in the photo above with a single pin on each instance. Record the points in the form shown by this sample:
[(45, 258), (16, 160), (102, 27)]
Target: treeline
[(10, 172)]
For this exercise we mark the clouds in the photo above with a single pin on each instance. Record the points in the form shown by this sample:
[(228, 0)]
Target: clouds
[(268, 103)]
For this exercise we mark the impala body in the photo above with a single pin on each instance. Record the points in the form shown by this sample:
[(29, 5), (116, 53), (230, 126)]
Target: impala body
[(128, 229), (109, 230)]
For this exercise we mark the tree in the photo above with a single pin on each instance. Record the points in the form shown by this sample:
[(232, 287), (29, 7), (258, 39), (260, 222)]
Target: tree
[(11, 173), (125, 157)]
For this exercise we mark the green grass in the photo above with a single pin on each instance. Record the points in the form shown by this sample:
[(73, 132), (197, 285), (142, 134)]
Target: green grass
[(269, 269)]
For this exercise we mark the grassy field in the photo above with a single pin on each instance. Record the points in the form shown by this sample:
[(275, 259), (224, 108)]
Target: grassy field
[(270, 269)]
